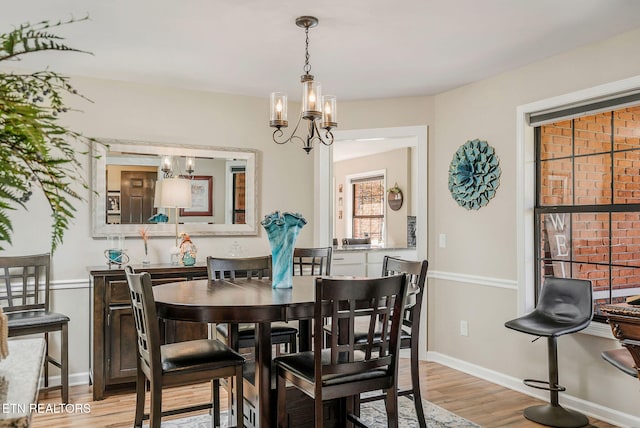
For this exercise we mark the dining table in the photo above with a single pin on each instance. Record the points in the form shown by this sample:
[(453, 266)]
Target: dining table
[(242, 300)]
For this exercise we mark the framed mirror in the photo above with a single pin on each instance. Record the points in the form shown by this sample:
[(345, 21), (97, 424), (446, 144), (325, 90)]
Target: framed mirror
[(125, 175)]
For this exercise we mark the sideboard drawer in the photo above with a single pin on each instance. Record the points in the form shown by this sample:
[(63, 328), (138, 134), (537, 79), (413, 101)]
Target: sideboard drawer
[(118, 293)]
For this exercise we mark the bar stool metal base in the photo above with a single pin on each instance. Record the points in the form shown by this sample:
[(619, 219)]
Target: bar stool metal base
[(555, 416)]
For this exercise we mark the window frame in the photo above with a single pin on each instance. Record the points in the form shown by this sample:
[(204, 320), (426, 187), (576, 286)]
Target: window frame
[(349, 198), (525, 186), (610, 208)]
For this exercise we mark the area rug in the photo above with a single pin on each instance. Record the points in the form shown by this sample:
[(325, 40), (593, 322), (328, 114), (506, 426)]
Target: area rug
[(373, 414)]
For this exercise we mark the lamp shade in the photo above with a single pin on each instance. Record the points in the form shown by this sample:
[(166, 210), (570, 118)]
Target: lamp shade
[(173, 193)]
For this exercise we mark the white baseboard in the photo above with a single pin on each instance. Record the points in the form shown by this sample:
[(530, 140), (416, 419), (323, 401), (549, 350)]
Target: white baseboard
[(588, 408), (74, 379)]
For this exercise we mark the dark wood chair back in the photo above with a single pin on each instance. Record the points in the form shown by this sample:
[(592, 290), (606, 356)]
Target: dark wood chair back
[(26, 282), (343, 303), (232, 268), (312, 261), (416, 272), (146, 321)]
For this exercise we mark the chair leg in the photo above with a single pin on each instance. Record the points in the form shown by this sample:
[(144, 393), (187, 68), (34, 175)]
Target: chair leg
[(141, 385), (215, 394), (356, 405), (318, 412), (415, 384), (293, 347), (239, 398), (155, 411), (46, 360), (64, 362), (391, 403), (281, 387), (554, 414)]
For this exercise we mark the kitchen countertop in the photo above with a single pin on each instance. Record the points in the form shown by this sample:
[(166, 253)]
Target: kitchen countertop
[(368, 248)]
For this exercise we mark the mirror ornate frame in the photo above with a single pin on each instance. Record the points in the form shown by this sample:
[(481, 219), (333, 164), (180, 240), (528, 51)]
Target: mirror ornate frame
[(100, 227)]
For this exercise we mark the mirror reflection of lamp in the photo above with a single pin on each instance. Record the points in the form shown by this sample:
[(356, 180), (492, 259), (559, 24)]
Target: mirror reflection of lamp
[(173, 193), (190, 165), (167, 166)]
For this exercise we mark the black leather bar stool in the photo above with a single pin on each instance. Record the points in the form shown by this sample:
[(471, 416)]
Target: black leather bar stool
[(565, 306)]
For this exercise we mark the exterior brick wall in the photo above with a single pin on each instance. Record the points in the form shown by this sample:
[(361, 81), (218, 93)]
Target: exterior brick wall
[(593, 160)]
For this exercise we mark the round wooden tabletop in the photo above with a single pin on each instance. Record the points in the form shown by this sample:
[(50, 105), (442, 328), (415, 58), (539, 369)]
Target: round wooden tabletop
[(240, 300)]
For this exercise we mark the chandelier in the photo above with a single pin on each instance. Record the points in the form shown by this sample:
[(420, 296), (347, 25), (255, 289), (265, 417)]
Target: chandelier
[(320, 111)]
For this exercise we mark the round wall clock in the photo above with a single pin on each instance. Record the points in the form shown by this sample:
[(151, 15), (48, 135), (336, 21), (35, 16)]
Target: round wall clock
[(474, 174)]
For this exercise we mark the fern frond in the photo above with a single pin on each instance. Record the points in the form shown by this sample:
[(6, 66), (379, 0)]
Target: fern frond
[(36, 150)]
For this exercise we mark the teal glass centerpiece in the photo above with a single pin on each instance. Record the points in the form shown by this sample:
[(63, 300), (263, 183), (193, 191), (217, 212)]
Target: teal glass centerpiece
[(282, 231)]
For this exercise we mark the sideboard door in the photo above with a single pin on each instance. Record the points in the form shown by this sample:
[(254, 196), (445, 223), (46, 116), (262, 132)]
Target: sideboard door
[(121, 345)]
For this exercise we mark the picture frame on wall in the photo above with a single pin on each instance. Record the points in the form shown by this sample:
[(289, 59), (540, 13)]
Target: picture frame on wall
[(201, 197), (113, 202)]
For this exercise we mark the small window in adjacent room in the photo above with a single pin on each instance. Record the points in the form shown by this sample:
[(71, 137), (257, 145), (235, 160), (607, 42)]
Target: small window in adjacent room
[(368, 208), (587, 209), (239, 190)]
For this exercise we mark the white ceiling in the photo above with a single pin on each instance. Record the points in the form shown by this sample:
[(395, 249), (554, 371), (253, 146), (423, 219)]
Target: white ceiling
[(361, 48)]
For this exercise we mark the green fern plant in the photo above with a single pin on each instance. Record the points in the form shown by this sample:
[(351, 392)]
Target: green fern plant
[(36, 151)]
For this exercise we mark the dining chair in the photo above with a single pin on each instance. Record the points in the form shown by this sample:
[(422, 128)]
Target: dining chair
[(309, 262), (565, 306), (180, 363), (312, 261), (252, 267), (416, 272), (343, 367), (25, 301)]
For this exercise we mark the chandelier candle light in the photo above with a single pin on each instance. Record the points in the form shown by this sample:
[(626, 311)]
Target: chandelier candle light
[(315, 107)]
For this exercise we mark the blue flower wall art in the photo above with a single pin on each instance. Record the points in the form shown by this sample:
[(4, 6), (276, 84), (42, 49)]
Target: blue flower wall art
[(474, 174)]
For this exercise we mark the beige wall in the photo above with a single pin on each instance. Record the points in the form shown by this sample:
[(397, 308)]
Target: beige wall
[(396, 164), (481, 245)]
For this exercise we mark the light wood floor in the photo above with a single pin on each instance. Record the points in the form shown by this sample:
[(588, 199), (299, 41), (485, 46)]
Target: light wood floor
[(482, 402)]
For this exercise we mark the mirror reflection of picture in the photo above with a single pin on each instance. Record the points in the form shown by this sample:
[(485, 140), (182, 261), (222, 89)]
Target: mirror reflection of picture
[(201, 197), (113, 202)]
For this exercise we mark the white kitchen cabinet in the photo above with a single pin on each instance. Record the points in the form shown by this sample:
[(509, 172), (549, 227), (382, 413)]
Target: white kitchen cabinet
[(365, 262)]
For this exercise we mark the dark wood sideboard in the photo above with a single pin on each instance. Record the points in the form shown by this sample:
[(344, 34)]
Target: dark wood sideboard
[(113, 334), (624, 320)]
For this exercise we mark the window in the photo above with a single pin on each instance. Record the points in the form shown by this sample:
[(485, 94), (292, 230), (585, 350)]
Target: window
[(239, 213), (368, 208), (587, 209)]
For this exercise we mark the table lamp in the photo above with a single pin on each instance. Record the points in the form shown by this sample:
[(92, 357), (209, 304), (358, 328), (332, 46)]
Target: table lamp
[(173, 193)]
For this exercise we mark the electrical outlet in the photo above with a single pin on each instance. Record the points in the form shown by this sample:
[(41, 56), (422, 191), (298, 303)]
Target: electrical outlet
[(464, 328), (442, 240)]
